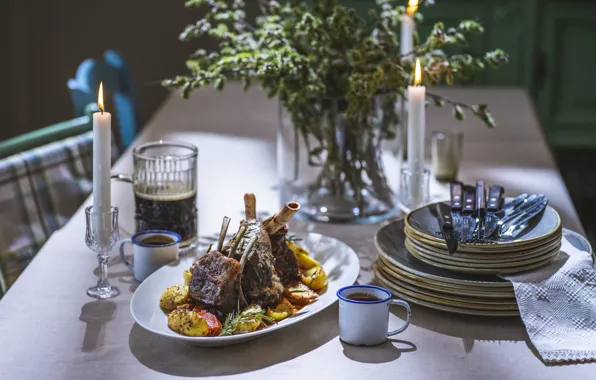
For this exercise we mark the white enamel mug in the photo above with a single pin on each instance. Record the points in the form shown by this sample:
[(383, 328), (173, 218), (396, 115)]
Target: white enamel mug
[(147, 258), (365, 323)]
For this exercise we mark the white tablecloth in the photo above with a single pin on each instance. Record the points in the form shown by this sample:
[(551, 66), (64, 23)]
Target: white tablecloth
[(49, 328)]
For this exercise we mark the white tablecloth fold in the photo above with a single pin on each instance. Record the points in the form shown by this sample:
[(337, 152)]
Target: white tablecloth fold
[(558, 306)]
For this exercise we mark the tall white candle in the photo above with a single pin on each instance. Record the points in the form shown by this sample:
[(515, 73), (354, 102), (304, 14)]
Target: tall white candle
[(102, 124), (407, 35), (416, 133), (407, 28)]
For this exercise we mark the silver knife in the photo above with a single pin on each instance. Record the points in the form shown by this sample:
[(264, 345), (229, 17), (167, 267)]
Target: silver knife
[(446, 224)]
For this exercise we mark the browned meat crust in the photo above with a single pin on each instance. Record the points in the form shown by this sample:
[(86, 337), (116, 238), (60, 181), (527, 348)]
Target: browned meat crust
[(214, 282)]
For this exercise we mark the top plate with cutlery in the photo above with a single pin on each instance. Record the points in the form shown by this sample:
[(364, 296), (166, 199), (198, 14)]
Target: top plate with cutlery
[(516, 231), (484, 235)]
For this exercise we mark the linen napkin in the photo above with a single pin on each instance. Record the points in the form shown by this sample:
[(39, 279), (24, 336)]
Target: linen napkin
[(557, 304)]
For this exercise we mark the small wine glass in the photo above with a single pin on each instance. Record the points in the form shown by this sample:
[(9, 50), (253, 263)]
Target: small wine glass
[(100, 236)]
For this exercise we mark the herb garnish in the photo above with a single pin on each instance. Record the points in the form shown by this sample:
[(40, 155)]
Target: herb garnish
[(292, 239), (230, 326)]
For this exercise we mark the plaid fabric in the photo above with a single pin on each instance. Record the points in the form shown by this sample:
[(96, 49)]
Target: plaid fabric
[(39, 191)]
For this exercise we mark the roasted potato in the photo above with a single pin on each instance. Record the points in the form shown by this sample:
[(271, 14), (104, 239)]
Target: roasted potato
[(173, 297), (190, 320), (188, 273), (315, 278), (282, 311), (296, 249), (306, 262), (187, 276), (299, 294), (250, 319)]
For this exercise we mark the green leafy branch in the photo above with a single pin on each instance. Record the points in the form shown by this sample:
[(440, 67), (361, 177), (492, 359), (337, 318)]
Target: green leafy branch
[(325, 64)]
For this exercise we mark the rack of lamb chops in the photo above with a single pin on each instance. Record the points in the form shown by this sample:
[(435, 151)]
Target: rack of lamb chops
[(251, 268)]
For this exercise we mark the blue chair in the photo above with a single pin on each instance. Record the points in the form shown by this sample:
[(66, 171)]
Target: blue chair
[(115, 74)]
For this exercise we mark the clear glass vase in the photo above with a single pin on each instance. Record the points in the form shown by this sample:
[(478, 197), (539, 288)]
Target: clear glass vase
[(341, 169)]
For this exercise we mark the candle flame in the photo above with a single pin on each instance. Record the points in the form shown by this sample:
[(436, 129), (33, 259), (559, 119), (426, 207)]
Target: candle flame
[(417, 73), (100, 97), (412, 7)]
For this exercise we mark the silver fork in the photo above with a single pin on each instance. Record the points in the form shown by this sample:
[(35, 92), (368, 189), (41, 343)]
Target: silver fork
[(515, 214), (522, 222)]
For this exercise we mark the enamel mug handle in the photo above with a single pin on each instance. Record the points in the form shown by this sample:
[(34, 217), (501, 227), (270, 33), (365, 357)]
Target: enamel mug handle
[(406, 306), (123, 257)]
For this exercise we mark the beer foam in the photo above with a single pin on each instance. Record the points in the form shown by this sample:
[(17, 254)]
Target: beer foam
[(167, 197)]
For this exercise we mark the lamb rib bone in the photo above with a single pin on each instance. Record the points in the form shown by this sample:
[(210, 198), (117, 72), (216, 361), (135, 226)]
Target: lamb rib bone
[(250, 206), (279, 220), (260, 282), (237, 241), (222, 233)]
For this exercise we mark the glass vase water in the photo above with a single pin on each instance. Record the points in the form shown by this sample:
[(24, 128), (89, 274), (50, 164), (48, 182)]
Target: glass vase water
[(341, 169)]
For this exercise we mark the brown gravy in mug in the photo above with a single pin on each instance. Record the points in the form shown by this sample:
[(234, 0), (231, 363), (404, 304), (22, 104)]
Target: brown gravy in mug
[(364, 297)]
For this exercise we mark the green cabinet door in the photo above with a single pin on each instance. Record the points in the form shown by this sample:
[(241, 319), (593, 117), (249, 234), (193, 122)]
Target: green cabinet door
[(566, 89)]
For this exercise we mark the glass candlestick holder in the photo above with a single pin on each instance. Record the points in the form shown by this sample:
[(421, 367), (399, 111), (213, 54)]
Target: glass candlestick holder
[(100, 236), (413, 189)]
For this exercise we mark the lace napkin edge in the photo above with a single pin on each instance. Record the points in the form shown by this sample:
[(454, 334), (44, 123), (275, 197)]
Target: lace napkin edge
[(568, 356)]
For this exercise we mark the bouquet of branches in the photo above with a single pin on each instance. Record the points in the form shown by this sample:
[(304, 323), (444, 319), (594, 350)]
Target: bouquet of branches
[(337, 74)]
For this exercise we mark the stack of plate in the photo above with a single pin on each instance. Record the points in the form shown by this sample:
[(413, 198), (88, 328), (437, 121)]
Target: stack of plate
[(428, 285), (532, 250), (470, 291)]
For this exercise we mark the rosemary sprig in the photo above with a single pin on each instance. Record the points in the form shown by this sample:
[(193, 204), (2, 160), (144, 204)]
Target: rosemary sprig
[(230, 326), (293, 239)]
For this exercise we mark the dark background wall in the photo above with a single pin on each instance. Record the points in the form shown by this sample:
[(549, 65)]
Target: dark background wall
[(43, 42)]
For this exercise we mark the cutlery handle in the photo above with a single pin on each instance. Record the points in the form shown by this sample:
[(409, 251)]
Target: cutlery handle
[(456, 195), (469, 200), (495, 198), (447, 221), (480, 197), (444, 214)]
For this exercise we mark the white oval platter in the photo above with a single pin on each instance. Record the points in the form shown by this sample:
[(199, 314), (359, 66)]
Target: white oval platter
[(339, 261)]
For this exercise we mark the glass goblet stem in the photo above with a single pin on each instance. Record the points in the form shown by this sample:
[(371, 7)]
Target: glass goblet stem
[(103, 289), (102, 282)]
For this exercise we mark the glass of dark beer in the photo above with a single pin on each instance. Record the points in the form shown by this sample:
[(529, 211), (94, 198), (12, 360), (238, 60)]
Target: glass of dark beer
[(164, 181)]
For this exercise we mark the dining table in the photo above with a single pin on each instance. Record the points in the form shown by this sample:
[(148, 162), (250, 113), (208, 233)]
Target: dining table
[(51, 330)]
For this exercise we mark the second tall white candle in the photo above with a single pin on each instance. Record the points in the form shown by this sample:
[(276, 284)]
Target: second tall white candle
[(416, 135)]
